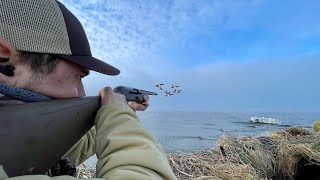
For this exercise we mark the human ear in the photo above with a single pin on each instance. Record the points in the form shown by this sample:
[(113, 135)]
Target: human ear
[(7, 52), (7, 61)]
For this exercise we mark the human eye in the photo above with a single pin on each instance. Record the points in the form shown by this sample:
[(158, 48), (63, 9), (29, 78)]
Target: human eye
[(84, 73)]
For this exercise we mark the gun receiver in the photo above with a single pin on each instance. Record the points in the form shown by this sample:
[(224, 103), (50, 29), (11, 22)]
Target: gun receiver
[(133, 94)]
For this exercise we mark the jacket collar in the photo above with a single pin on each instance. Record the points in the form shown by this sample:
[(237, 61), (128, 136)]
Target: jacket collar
[(9, 95)]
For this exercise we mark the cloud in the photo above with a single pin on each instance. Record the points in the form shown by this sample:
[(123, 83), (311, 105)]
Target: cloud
[(286, 85), (132, 36), (123, 32), (289, 85), (129, 34)]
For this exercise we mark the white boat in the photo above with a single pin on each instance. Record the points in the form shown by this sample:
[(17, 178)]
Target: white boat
[(264, 120)]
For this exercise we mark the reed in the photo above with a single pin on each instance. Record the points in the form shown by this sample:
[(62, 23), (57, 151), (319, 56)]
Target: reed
[(289, 154)]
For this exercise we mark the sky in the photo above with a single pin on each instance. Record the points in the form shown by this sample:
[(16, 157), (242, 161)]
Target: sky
[(226, 55)]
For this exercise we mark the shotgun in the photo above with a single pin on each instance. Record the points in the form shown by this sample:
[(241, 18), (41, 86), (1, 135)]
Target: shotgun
[(34, 136)]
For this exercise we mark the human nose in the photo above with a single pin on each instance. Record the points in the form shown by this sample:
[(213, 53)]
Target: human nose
[(81, 91)]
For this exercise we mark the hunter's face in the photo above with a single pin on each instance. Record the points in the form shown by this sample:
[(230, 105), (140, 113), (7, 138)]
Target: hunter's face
[(63, 82)]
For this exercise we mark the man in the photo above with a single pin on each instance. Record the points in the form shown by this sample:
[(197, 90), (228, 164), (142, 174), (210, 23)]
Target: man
[(45, 46)]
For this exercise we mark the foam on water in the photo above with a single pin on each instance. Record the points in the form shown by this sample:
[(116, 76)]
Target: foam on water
[(264, 120)]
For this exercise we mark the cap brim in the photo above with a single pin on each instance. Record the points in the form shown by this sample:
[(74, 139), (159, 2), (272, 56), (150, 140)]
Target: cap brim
[(92, 64)]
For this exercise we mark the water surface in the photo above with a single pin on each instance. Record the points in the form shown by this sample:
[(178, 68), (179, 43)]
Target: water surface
[(184, 131)]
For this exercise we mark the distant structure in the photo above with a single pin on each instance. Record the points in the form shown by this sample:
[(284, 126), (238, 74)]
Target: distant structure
[(174, 86), (159, 86), (177, 91), (168, 93)]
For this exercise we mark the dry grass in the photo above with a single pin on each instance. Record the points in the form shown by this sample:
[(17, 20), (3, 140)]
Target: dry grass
[(278, 156), (209, 165), (85, 172)]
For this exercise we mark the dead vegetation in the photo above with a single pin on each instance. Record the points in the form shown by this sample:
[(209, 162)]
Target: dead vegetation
[(285, 155)]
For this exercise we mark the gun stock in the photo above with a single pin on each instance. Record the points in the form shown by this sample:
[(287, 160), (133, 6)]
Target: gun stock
[(34, 136)]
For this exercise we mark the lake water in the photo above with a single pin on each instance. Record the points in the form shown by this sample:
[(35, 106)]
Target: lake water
[(189, 131)]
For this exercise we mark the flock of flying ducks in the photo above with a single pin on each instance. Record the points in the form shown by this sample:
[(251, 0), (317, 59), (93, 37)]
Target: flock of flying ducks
[(168, 93)]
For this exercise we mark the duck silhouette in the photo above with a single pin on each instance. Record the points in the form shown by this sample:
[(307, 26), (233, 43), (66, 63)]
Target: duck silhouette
[(159, 86), (177, 91), (174, 86), (168, 93)]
